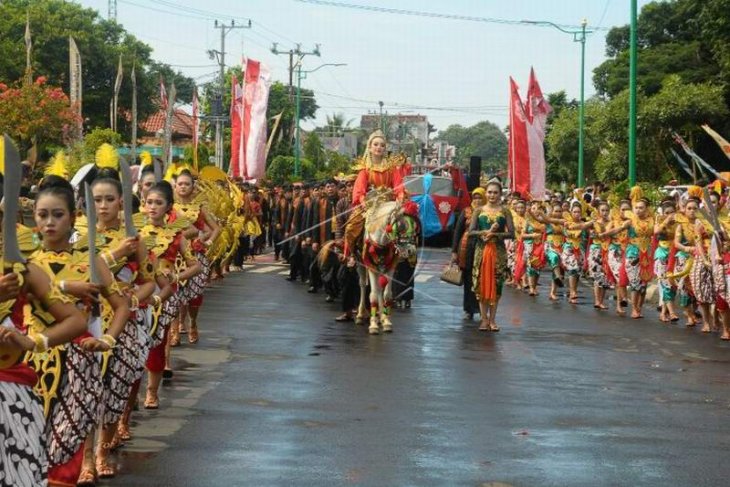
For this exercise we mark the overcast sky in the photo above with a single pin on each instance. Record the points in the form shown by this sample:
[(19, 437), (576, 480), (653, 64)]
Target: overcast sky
[(453, 71)]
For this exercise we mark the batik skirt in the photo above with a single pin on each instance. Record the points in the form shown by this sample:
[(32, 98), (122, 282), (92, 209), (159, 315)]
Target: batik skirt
[(23, 461), (597, 267)]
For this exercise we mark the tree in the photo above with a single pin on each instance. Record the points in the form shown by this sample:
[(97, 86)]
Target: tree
[(281, 170), (337, 125), (484, 139), (36, 113), (314, 150), (677, 106), (100, 43)]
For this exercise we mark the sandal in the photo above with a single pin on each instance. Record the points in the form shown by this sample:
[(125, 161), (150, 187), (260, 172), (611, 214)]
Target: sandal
[(151, 401), (493, 328), (673, 318), (484, 326), (123, 432), (87, 477), (193, 337), (103, 469)]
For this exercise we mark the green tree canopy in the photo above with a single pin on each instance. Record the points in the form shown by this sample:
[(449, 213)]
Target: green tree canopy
[(483, 139), (100, 43)]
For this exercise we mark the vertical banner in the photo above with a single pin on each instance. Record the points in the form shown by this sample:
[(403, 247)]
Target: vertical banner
[(258, 82), (134, 115), (234, 168), (719, 140), (28, 50), (538, 110), (195, 128), (115, 99), (74, 88), (518, 150), (277, 121), (167, 145)]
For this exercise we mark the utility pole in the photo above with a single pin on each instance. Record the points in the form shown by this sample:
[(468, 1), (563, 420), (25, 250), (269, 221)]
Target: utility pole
[(290, 53), (300, 55), (381, 114), (220, 118), (112, 10)]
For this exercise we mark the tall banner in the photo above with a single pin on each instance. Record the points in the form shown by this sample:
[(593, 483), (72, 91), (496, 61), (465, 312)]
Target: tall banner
[(115, 98), (74, 86), (134, 115), (256, 100), (195, 127), (28, 51), (724, 144), (526, 139), (538, 110), (518, 149), (167, 146), (234, 169)]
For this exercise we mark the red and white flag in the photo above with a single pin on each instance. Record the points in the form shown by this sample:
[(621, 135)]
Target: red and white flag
[(527, 135), (256, 101), (518, 149), (538, 110), (234, 169), (195, 127), (163, 94)]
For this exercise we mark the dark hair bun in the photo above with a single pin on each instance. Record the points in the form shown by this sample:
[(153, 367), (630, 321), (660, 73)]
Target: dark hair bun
[(54, 181)]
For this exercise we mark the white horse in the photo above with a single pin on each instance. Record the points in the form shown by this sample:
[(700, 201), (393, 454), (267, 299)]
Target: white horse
[(389, 236)]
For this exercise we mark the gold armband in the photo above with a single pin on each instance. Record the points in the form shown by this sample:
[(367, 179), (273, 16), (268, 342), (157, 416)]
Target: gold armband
[(113, 288), (157, 300), (109, 340), (41, 342), (134, 306)]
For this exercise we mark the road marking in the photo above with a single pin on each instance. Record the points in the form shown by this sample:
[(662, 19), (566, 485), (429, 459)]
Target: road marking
[(268, 268), (284, 273), (423, 277)]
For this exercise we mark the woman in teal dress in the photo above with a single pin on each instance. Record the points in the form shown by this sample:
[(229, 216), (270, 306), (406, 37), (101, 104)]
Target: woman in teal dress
[(490, 225)]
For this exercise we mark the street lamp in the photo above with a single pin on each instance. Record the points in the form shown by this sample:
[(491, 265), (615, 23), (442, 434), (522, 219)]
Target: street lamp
[(300, 76), (578, 36)]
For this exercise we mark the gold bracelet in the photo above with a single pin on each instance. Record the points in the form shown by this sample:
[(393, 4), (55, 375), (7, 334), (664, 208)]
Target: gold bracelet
[(41, 342), (135, 302), (157, 299), (109, 340)]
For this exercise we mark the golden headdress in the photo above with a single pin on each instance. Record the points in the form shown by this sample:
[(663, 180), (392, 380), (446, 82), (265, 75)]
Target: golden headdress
[(107, 157), (694, 192), (375, 135), (636, 194), (145, 158), (57, 166)]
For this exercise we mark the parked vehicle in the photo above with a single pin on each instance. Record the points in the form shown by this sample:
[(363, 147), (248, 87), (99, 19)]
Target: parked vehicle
[(441, 194)]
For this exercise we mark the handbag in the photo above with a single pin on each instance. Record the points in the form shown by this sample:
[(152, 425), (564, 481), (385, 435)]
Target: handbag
[(452, 274)]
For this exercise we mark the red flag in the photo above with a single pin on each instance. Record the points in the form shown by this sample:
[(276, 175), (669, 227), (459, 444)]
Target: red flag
[(250, 82), (518, 150), (236, 122), (195, 127), (538, 110), (163, 94)]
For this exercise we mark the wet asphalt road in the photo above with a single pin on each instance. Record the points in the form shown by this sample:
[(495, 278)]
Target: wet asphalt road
[(278, 394)]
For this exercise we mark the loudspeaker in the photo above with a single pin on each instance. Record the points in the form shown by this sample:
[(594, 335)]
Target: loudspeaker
[(475, 173)]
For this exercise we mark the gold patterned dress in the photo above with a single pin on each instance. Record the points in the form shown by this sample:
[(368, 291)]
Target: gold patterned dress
[(70, 381)]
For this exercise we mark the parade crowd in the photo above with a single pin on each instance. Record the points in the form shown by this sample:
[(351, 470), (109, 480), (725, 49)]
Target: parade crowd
[(622, 244), (96, 293)]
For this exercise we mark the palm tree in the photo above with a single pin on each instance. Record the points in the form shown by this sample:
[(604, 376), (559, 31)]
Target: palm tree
[(337, 125)]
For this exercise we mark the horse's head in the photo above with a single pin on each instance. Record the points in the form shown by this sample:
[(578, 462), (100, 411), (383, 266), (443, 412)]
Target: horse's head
[(404, 230)]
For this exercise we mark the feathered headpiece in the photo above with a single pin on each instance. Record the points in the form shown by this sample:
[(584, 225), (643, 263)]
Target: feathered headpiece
[(174, 170), (694, 192), (57, 166), (145, 158), (107, 157), (636, 194)]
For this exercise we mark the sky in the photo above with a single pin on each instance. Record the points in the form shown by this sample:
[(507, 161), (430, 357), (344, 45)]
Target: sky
[(454, 71)]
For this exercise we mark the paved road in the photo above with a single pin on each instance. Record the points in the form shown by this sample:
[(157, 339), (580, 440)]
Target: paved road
[(278, 394)]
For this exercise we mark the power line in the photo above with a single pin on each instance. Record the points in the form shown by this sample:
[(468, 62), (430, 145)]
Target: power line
[(421, 13), (155, 9)]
